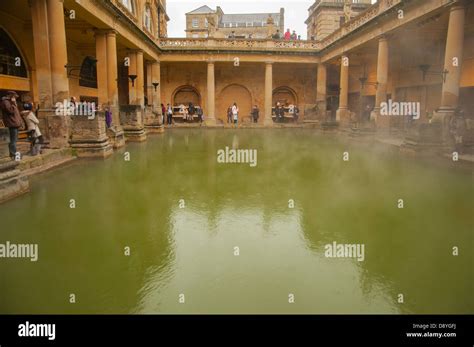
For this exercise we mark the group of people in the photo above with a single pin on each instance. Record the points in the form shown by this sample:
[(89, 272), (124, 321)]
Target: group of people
[(233, 114), (288, 35), (13, 119), (280, 112), (187, 113)]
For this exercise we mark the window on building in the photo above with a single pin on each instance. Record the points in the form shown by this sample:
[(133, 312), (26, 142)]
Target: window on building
[(195, 23), (88, 75), (129, 4), (195, 36), (249, 24), (206, 23), (11, 62), (147, 19)]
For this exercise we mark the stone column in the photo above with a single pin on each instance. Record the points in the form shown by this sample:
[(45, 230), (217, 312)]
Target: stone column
[(148, 85), (140, 81), (112, 75), (42, 58), (58, 126), (115, 133), (268, 121), (454, 51), (153, 118), (156, 77), (132, 116), (342, 111), (321, 90), (57, 50), (211, 118), (382, 79), (132, 70), (101, 56)]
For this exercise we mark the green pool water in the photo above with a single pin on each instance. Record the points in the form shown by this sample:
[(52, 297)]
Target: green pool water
[(182, 214)]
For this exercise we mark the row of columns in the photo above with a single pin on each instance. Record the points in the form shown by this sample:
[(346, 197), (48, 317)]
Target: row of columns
[(450, 88)]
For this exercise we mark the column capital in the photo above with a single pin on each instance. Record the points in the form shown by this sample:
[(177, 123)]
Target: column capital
[(269, 62), (457, 5), (111, 32), (134, 50), (98, 32)]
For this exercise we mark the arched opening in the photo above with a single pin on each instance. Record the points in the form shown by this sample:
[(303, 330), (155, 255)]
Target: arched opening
[(11, 61), (186, 94), (88, 75), (285, 96), (230, 94)]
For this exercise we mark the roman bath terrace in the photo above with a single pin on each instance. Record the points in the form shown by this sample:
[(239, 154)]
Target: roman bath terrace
[(373, 106)]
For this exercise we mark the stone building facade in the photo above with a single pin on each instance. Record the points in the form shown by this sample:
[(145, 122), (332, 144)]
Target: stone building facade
[(326, 16), (205, 22)]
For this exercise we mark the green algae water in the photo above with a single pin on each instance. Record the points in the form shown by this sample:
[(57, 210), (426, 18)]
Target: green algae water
[(175, 231)]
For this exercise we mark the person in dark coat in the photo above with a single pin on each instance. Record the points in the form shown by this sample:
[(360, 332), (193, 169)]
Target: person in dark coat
[(279, 113), (11, 119), (255, 114)]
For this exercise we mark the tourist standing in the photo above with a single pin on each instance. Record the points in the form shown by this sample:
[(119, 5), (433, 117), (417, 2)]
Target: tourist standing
[(163, 114), (235, 114), (191, 111), (279, 113), (277, 35), (255, 113), (287, 35), (229, 115), (294, 36), (296, 113), (170, 114), (108, 117), (199, 114), (11, 119), (32, 124)]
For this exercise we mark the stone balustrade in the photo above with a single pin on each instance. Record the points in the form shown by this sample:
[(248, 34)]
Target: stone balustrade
[(250, 44), (372, 12)]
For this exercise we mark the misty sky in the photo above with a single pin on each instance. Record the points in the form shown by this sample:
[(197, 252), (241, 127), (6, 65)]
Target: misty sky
[(296, 12)]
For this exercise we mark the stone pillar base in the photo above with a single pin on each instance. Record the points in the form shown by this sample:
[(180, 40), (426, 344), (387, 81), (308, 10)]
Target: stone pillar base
[(210, 122), (11, 183), (89, 137), (116, 136), (154, 129), (343, 116), (153, 121), (268, 122), (56, 128), (425, 138), (131, 118)]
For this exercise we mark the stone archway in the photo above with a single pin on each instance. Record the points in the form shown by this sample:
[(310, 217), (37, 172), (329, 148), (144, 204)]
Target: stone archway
[(13, 62), (230, 94), (186, 94), (285, 95)]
